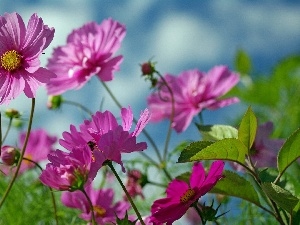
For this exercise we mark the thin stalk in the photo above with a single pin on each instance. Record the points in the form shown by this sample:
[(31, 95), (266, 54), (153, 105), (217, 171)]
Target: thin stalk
[(168, 137), (126, 192), (91, 205), (273, 204), (22, 154), (8, 128), (135, 121), (83, 108), (51, 191), (199, 212)]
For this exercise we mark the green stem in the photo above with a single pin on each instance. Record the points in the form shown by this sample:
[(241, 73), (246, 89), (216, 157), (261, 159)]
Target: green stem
[(51, 191), (22, 154), (195, 205), (259, 182), (168, 137), (109, 163), (91, 205), (83, 108), (8, 128), (135, 121)]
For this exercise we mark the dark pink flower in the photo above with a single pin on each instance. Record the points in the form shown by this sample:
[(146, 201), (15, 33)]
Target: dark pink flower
[(88, 51), (264, 150), (39, 145), (70, 171), (105, 210), (103, 134), (193, 92), (19, 55), (180, 195)]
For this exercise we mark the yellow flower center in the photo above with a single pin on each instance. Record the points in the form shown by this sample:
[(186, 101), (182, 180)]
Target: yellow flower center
[(11, 60), (187, 195), (99, 211)]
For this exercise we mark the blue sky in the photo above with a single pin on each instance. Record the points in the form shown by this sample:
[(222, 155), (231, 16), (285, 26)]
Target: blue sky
[(178, 35)]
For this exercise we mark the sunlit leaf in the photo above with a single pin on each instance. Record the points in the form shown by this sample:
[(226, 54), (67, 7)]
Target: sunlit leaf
[(217, 132), (289, 152), (226, 149), (280, 196), (192, 150), (234, 185), (247, 129)]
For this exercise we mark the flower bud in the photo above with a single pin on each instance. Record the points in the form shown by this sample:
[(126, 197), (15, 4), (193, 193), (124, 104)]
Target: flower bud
[(12, 113), (54, 102), (148, 68), (9, 155)]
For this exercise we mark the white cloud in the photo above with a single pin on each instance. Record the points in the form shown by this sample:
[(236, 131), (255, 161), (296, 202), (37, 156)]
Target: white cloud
[(179, 38)]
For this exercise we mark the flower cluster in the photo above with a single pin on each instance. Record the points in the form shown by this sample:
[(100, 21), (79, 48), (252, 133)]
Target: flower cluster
[(101, 140)]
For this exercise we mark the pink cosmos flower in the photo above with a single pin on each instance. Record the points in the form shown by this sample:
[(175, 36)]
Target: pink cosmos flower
[(105, 210), (264, 150), (103, 134), (193, 92), (19, 55), (70, 171), (180, 195), (39, 145), (88, 51)]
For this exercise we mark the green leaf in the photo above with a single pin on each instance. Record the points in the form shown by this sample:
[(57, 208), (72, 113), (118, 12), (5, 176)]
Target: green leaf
[(242, 62), (192, 150), (237, 186), (217, 132), (280, 196), (247, 129), (226, 149), (289, 152)]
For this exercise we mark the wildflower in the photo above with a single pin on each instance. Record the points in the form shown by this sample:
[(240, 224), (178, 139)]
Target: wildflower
[(264, 150), (39, 145), (180, 195), (105, 210), (70, 171), (193, 92), (88, 51), (19, 55), (103, 134)]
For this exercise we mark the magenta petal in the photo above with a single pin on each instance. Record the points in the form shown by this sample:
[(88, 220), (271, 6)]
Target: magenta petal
[(168, 214), (197, 176), (127, 118)]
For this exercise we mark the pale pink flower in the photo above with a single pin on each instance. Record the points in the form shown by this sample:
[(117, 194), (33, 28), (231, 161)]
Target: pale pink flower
[(89, 51), (71, 171), (181, 195), (19, 55), (105, 210), (193, 92), (39, 145), (105, 135)]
